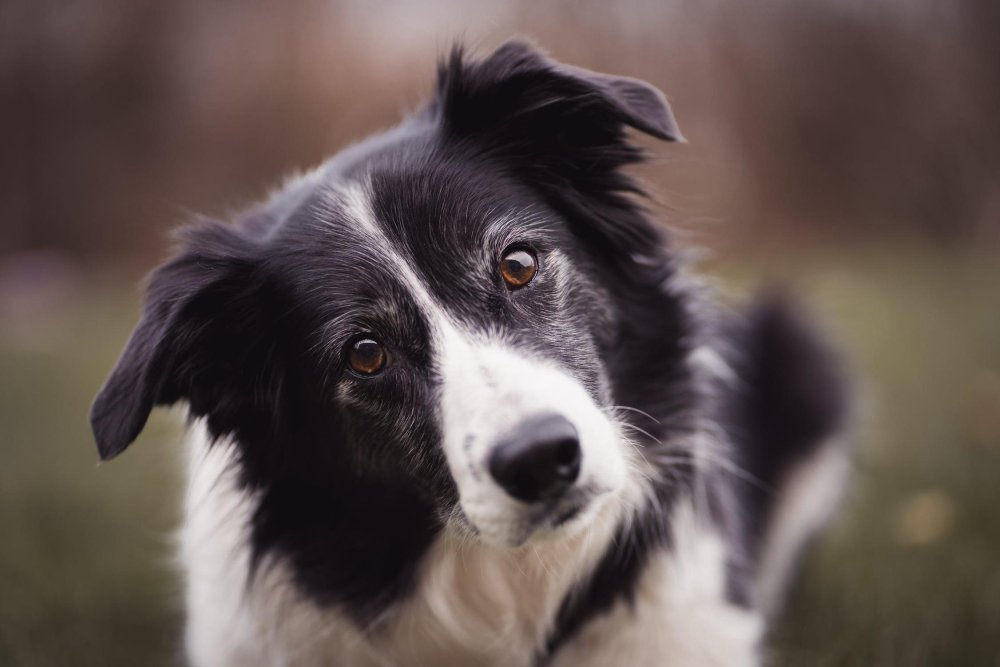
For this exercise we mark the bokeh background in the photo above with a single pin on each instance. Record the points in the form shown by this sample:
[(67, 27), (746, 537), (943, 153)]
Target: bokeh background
[(848, 148)]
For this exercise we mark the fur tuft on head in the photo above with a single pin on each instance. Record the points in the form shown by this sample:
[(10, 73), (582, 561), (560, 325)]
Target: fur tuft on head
[(562, 129)]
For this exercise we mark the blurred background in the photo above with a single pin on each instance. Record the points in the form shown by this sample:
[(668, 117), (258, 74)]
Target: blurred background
[(850, 148)]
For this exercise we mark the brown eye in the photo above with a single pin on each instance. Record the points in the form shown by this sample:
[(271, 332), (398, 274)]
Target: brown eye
[(518, 267), (366, 356)]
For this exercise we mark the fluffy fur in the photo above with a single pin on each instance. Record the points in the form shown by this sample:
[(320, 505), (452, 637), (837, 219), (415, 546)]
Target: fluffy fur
[(334, 518)]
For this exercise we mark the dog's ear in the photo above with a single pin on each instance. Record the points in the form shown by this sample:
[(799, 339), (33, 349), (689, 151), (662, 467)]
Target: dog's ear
[(517, 87), (203, 336), (562, 130)]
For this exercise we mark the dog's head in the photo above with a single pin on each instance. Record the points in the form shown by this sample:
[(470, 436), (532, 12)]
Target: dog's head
[(441, 321)]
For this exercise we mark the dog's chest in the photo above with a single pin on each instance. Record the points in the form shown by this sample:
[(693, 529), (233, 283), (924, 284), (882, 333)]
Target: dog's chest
[(477, 606)]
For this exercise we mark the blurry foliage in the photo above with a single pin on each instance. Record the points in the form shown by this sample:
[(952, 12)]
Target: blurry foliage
[(832, 117)]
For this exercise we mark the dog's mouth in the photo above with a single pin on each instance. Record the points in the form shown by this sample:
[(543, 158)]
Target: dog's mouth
[(560, 511), (566, 515), (544, 521)]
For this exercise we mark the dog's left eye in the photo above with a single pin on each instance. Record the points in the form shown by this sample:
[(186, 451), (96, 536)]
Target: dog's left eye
[(518, 266), (366, 356)]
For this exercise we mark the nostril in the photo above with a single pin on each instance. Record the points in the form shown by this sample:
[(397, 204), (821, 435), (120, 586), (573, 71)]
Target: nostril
[(567, 454)]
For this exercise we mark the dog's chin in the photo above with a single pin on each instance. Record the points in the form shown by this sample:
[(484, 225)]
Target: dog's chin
[(553, 522)]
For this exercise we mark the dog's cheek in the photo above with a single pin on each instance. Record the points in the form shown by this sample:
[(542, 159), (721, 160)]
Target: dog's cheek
[(577, 324), (389, 431)]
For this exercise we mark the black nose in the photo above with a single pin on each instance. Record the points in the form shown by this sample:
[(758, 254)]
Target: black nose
[(539, 460)]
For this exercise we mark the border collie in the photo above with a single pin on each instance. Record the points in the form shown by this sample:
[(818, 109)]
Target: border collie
[(455, 401)]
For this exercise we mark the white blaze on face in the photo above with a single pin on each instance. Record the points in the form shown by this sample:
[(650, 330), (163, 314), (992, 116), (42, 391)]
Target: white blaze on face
[(488, 389)]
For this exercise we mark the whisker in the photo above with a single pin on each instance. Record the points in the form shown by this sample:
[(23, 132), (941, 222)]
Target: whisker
[(727, 464), (636, 410), (644, 432)]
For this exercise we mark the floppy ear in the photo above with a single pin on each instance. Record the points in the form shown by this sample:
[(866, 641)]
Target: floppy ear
[(203, 337), (561, 129)]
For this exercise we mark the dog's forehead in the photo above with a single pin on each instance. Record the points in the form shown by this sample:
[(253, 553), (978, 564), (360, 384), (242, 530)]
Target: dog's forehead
[(379, 235), (453, 221), (466, 207)]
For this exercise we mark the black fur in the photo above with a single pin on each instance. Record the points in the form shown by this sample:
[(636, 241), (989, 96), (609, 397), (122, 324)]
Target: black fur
[(794, 396), (248, 322)]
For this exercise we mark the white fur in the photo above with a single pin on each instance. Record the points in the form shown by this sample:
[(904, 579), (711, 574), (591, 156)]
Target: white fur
[(680, 615), (811, 492), (708, 361), (488, 390)]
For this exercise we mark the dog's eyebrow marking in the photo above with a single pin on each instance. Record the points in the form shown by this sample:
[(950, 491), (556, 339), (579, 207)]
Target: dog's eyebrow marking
[(355, 199)]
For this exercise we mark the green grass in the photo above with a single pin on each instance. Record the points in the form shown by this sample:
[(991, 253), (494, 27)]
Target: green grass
[(85, 577), (908, 574)]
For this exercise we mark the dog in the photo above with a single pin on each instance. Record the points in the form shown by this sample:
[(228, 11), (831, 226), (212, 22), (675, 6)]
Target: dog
[(455, 399)]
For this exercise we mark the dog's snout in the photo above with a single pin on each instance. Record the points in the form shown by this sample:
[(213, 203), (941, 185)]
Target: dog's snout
[(539, 460)]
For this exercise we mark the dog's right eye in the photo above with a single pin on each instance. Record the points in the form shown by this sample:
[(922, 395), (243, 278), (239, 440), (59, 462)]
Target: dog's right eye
[(518, 266), (366, 356)]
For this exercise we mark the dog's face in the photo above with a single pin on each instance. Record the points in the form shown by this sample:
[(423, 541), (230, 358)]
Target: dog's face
[(462, 325), (431, 323)]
